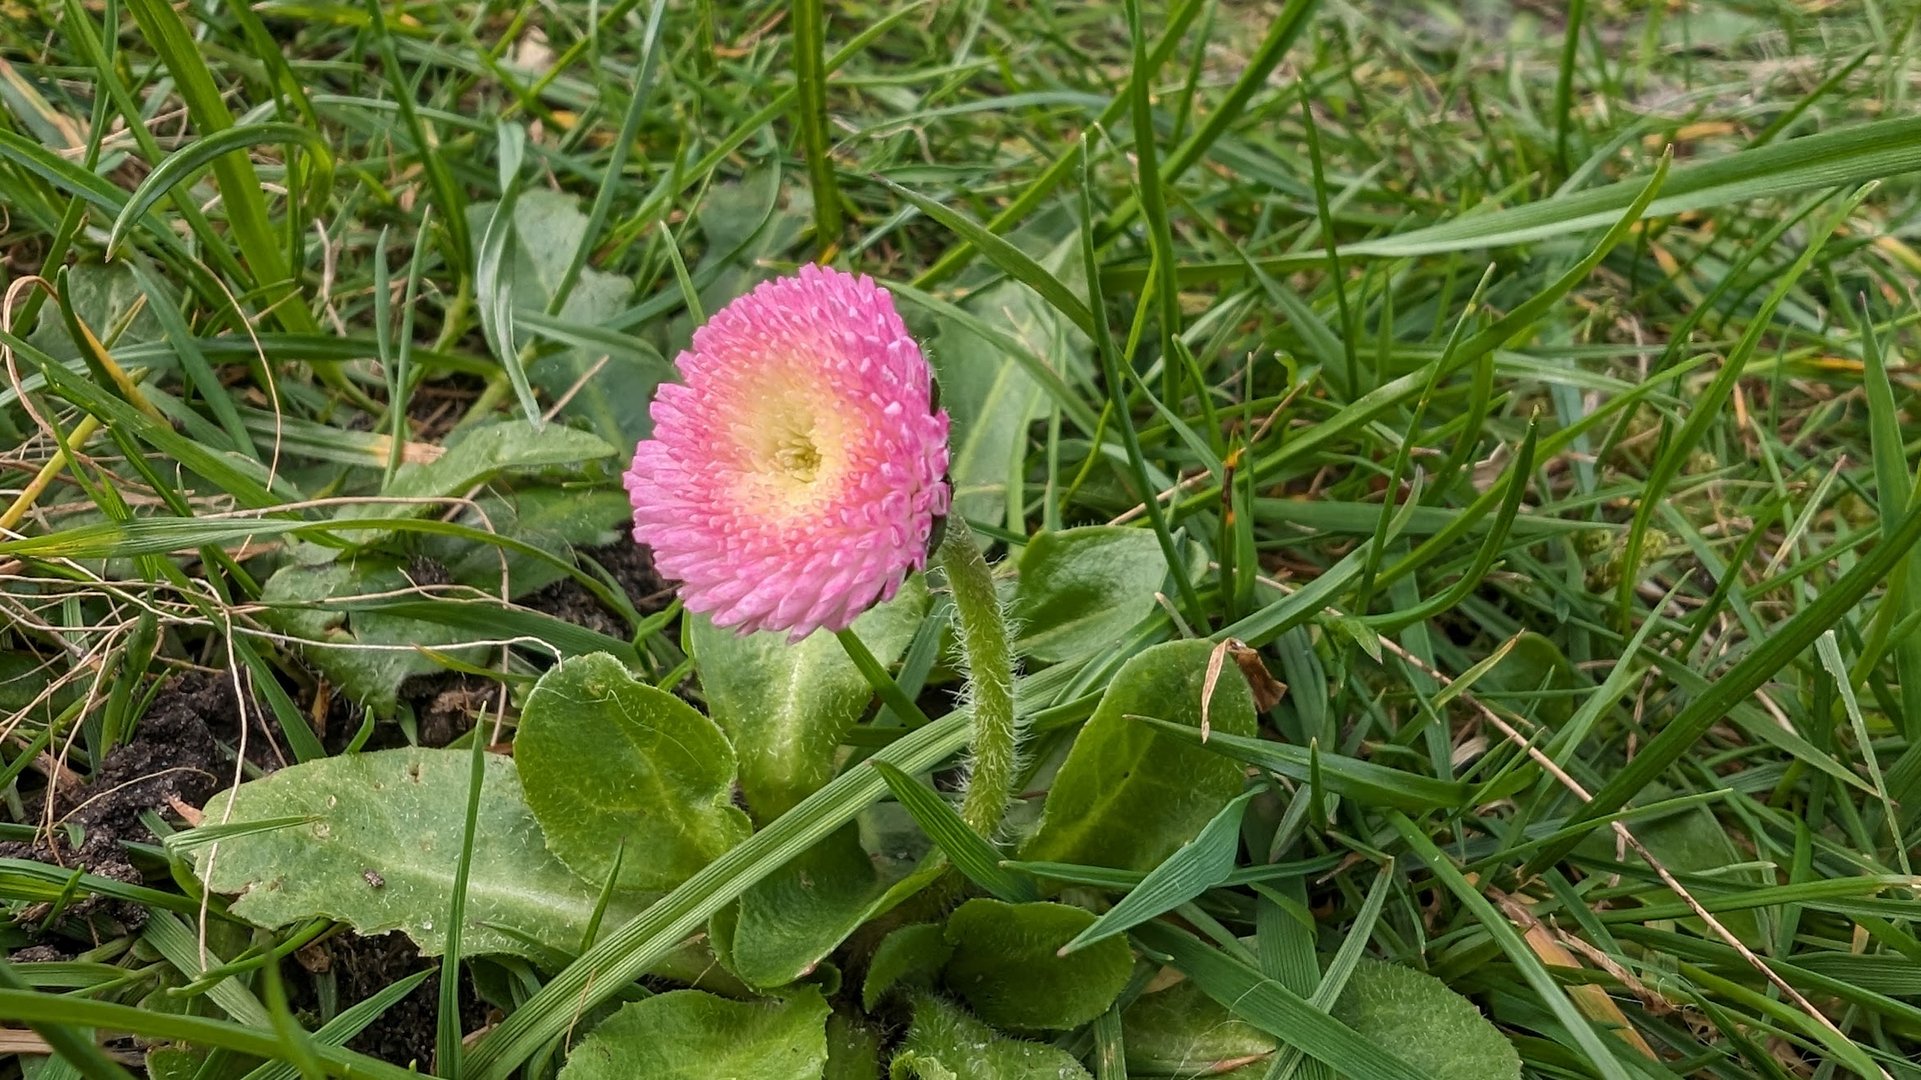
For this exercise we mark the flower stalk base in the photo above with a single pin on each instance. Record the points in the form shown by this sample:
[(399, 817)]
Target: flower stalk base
[(995, 748)]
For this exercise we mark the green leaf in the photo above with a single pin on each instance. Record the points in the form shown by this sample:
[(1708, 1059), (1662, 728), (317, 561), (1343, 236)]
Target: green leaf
[(990, 396), (24, 690), (1180, 1031), (853, 1048), (381, 849), (944, 1043), (731, 217), (1128, 796), (1081, 589), (690, 1035), (478, 454), (912, 955), (1533, 665), (787, 705), (548, 228), (554, 519), (617, 770), (803, 909), (494, 276), (1429, 1026), (1364, 781), (1008, 968), (748, 227), (108, 300), (174, 1062), (365, 654), (795, 916)]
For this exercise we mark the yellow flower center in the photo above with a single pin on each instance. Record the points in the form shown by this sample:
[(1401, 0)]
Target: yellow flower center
[(792, 444), (798, 457)]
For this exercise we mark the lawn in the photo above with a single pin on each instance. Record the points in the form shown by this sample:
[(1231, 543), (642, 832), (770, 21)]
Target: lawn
[(1314, 539)]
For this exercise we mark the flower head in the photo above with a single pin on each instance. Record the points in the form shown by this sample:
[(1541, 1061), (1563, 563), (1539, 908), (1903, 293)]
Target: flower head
[(796, 472)]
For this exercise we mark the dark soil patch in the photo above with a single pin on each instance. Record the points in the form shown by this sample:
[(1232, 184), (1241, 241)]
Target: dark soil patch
[(339, 721), (172, 757), (632, 566), (173, 760), (448, 704), (360, 967), (209, 698)]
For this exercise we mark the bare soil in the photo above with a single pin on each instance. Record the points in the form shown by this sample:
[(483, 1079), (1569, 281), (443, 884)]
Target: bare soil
[(362, 966), (172, 760), (632, 566)]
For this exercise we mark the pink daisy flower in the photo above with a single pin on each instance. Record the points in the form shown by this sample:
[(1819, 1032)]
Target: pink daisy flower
[(795, 475)]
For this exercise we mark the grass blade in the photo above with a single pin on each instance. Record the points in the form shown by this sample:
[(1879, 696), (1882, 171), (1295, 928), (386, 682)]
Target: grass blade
[(240, 188), (1371, 784), (1274, 1008), (810, 80), (37, 1008), (350, 1022), (1845, 156), (494, 273), (180, 165), (1197, 866), (968, 850), (1016, 263), (448, 1042), (1768, 657)]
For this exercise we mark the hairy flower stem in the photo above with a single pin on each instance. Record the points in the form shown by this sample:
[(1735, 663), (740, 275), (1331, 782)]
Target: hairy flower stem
[(990, 667)]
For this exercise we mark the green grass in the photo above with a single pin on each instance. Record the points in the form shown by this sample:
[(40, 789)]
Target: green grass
[(1536, 397)]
